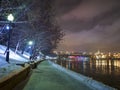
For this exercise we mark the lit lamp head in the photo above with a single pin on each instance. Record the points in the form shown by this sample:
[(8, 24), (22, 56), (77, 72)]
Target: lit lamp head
[(30, 42), (10, 17), (7, 27)]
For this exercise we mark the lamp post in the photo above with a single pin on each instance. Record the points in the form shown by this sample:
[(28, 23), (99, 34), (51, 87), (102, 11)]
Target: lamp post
[(31, 46), (10, 18)]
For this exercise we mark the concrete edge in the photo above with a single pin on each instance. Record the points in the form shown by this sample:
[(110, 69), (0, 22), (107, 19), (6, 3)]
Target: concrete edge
[(13, 79), (86, 80), (10, 81), (35, 64)]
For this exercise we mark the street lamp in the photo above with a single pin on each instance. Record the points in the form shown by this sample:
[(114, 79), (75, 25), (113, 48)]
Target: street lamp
[(10, 18), (30, 43), (31, 46)]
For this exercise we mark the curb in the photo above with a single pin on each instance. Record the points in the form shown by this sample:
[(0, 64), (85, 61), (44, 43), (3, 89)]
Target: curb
[(15, 78), (34, 64), (10, 81), (95, 85)]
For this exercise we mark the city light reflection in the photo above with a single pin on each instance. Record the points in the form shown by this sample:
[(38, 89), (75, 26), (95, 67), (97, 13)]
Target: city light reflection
[(103, 69)]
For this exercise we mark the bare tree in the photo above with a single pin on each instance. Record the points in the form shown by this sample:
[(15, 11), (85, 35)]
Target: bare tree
[(47, 32), (40, 25)]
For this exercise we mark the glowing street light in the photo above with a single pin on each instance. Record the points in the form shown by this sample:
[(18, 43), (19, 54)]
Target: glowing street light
[(7, 27), (10, 18), (31, 46), (30, 43)]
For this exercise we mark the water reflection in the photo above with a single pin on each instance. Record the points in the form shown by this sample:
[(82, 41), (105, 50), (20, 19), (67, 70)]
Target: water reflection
[(106, 71)]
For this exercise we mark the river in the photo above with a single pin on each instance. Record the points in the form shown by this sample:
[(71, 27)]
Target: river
[(106, 71)]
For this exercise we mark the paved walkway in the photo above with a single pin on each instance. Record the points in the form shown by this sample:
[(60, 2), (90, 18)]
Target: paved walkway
[(46, 77)]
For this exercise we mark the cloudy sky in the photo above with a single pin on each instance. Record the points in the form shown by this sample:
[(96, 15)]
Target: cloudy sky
[(89, 25)]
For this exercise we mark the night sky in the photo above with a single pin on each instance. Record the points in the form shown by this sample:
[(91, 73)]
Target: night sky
[(89, 25)]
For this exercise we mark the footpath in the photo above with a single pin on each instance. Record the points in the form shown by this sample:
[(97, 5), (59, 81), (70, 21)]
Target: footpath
[(46, 77)]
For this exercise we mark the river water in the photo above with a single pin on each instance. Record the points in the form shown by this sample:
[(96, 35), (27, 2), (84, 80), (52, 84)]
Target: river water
[(106, 71)]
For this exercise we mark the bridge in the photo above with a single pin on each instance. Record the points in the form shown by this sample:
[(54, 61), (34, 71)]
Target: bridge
[(86, 55), (66, 55)]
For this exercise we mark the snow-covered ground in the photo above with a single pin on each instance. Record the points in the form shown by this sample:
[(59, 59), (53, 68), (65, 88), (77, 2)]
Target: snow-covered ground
[(5, 67), (13, 56)]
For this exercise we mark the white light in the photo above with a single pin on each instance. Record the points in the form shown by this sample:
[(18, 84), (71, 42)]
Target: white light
[(30, 42), (29, 47), (7, 27), (10, 17)]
